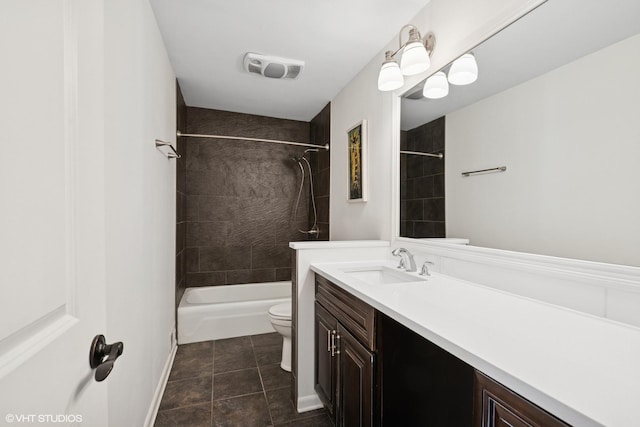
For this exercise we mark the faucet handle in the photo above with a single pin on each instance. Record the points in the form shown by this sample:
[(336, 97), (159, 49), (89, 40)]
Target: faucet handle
[(398, 252), (406, 259), (425, 268)]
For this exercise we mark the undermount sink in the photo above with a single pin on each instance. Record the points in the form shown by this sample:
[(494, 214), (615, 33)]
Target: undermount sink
[(380, 275)]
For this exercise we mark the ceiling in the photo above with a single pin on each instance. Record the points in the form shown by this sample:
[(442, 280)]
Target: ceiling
[(554, 34), (207, 40)]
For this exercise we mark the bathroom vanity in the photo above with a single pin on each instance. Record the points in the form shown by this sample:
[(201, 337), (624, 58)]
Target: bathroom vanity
[(346, 349), (371, 370), (444, 351)]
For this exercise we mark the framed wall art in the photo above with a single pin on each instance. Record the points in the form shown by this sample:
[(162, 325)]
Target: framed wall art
[(357, 146)]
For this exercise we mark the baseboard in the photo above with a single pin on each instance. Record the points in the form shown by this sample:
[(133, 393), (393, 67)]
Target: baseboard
[(309, 403), (157, 396)]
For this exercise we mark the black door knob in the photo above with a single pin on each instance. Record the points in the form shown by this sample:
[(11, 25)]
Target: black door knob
[(102, 356)]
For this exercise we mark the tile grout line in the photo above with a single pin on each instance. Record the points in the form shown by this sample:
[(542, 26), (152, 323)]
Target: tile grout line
[(213, 400), (235, 370), (182, 407), (238, 396), (187, 379), (264, 392), (301, 415)]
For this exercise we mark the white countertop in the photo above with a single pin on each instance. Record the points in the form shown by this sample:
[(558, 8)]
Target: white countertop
[(581, 368), (332, 244)]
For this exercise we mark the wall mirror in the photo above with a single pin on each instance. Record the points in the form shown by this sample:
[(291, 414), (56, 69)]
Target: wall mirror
[(556, 102)]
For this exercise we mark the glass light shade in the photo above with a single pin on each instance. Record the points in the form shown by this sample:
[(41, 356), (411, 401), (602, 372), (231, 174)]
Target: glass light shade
[(464, 70), (436, 86), (415, 59), (390, 77)]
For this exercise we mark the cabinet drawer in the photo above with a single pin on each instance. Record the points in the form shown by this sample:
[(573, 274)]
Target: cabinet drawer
[(496, 405), (357, 316)]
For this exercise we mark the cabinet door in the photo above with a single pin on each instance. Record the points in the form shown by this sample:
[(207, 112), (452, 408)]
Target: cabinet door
[(355, 383), (501, 416), (326, 364), (497, 406)]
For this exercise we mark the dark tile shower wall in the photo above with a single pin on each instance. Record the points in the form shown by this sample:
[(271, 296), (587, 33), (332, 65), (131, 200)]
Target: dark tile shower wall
[(320, 165), (239, 198), (181, 174), (422, 182)]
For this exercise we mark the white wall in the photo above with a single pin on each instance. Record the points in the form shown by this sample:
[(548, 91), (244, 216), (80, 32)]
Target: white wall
[(140, 205), (570, 141), (361, 100), (458, 27)]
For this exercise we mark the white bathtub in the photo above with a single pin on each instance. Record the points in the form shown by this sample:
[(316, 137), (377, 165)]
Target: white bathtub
[(215, 312)]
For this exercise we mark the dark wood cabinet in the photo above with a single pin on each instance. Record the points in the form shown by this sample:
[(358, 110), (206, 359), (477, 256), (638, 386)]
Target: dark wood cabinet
[(497, 406), (345, 355), (421, 384), (326, 367), (355, 382), (371, 370), (354, 314)]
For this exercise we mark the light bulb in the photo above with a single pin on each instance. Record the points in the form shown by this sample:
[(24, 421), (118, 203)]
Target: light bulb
[(390, 77), (464, 70), (436, 86), (415, 59)]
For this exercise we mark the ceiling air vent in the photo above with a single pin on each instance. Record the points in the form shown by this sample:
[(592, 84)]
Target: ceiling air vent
[(272, 66)]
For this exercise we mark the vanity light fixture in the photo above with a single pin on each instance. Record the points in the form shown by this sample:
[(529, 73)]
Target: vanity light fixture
[(464, 70), (436, 86), (390, 77), (415, 59)]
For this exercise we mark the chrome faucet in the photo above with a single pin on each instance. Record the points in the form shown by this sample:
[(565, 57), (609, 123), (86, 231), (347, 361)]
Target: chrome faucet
[(406, 259), (425, 268)]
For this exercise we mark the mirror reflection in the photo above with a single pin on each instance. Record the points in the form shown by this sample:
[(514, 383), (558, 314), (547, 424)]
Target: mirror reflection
[(556, 102)]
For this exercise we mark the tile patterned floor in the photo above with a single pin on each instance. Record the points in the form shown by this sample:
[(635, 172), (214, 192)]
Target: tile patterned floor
[(235, 382)]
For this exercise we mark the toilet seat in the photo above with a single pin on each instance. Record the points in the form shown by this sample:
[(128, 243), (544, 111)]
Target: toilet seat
[(281, 311)]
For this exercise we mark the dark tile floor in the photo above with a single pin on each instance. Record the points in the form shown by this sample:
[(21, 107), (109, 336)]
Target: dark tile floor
[(232, 382)]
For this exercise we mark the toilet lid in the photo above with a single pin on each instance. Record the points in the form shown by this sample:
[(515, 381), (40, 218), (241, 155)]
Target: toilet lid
[(282, 310)]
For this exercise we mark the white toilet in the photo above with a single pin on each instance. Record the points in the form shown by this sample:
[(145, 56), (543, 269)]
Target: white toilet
[(280, 316)]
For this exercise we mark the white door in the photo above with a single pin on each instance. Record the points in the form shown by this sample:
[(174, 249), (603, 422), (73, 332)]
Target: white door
[(51, 212)]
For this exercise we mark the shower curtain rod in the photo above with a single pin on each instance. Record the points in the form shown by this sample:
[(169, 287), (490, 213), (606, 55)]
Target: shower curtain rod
[(275, 141), (417, 153)]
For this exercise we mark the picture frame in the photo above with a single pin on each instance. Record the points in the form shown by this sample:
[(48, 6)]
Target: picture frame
[(357, 162)]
